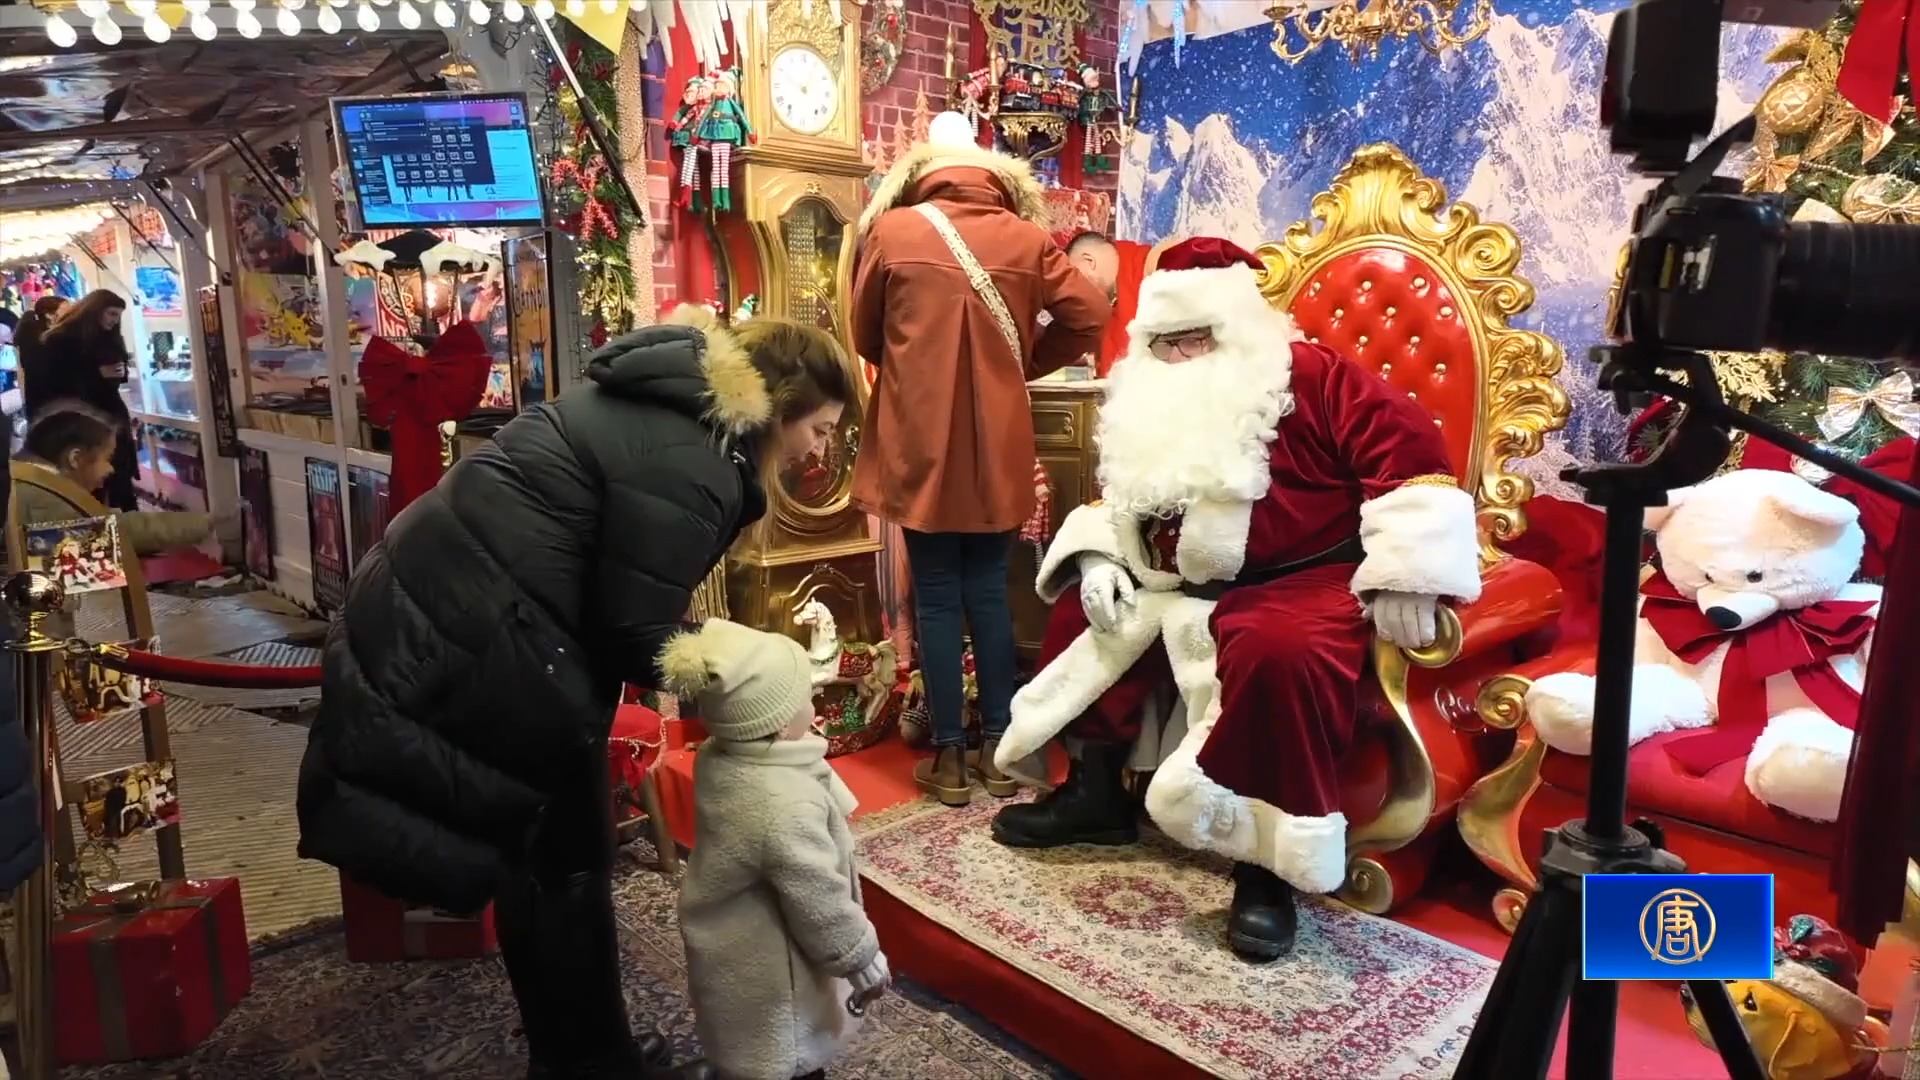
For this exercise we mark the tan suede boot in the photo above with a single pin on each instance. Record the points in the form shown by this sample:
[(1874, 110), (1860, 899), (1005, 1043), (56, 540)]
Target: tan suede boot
[(945, 777), (998, 784)]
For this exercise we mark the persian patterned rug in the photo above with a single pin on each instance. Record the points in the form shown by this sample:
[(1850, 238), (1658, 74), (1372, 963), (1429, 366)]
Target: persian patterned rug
[(1138, 935), (312, 1014)]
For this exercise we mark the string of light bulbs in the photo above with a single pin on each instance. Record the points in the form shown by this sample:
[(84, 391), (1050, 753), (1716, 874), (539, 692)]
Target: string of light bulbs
[(250, 18)]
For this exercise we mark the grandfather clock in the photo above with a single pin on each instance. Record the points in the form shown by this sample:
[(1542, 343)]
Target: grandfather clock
[(804, 181)]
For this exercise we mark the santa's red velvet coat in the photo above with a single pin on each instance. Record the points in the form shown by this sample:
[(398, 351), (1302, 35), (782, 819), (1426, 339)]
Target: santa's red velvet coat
[(1269, 676)]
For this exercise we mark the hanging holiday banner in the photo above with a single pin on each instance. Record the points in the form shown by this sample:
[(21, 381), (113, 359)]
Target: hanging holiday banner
[(326, 535), (213, 347)]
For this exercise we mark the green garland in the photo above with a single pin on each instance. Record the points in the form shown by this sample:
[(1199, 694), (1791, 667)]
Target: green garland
[(598, 219)]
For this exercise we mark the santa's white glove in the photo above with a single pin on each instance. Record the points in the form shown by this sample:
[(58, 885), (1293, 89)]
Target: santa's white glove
[(1406, 619), (1105, 589)]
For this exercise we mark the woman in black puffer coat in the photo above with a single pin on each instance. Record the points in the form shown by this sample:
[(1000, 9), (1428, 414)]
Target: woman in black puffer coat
[(459, 755)]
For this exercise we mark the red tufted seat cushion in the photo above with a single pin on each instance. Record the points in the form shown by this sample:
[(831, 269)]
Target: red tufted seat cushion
[(1719, 800), (1389, 310)]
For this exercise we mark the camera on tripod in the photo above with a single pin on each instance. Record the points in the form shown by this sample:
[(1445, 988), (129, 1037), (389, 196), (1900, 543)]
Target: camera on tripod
[(1710, 268)]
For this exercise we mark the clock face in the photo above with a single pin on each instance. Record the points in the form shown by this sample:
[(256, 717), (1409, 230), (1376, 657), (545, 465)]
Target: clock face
[(806, 93)]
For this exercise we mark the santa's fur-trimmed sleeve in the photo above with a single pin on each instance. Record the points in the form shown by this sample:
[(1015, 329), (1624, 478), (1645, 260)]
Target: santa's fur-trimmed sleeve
[(1088, 530), (1420, 538)]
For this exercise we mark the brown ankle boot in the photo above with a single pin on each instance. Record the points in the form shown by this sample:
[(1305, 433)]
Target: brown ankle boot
[(945, 777), (998, 784)]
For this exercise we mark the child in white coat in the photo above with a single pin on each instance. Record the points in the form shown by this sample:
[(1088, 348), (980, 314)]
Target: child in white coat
[(781, 959)]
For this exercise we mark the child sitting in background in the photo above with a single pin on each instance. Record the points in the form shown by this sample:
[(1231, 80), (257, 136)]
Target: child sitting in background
[(781, 959), (76, 441)]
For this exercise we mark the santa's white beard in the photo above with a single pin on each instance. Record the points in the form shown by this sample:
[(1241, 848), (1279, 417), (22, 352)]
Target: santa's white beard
[(1172, 434)]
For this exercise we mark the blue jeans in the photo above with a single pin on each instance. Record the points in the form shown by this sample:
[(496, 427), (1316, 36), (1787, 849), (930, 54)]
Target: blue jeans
[(960, 576)]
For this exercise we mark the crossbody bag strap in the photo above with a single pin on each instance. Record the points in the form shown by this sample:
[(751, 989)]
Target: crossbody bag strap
[(977, 276)]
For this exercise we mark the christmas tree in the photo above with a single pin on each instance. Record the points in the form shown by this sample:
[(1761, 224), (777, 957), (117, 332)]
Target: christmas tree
[(1837, 137)]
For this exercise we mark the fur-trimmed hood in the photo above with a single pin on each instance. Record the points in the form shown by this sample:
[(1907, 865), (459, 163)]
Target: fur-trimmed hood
[(691, 362), (1024, 194)]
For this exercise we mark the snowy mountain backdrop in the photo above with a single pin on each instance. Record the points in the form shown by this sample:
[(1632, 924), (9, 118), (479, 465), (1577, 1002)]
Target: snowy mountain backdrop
[(1234, 142)]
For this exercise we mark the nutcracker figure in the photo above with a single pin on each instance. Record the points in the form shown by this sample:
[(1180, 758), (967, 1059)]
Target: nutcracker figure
[(682, 130), (1096, 102), (723, 126)]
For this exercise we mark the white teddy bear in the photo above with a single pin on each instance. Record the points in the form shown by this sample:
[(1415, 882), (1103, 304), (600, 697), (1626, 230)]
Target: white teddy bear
[(1754, 629)]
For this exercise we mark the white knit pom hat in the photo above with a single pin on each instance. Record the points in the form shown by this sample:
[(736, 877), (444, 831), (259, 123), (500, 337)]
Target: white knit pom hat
[(749, 684)]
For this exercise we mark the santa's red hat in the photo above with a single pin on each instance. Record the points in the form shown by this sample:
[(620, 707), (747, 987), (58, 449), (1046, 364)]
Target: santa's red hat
[(1207, 282)]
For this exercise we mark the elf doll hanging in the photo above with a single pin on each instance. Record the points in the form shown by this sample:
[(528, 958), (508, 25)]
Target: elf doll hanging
[(1095, 105), (723, 126), (681, 131)]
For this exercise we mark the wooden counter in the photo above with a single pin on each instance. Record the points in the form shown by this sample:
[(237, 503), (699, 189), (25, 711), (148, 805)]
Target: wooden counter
[(1063, 416)]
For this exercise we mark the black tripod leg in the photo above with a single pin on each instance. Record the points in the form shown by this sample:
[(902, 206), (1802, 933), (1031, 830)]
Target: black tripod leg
[(1540, 1002), (1520, 1021), (1723, 1023), (1591, 1017)]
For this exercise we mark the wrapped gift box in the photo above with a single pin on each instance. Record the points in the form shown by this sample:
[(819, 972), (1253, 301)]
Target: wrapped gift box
[(148, 971), (381, 929)]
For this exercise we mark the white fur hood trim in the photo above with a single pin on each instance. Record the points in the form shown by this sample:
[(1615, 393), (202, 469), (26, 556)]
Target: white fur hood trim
[(1016, 176)]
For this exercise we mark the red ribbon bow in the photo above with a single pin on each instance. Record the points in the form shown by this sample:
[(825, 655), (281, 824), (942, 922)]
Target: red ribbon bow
[(1792, 642), (1872, 62), (411, 396)]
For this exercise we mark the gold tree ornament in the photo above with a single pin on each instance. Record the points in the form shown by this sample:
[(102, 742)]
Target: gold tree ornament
[(1882, 199), (1769, 169), (1793, 104), (1874, 135)]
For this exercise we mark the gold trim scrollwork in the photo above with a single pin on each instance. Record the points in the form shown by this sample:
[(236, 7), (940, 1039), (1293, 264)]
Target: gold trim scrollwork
[(796, 22), (1382, 200)]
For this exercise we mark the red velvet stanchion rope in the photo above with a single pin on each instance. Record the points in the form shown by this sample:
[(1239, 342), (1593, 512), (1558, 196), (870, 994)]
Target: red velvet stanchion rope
[(203, 672)]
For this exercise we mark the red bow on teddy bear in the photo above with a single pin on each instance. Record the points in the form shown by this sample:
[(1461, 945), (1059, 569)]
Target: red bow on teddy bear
[(411, 396)]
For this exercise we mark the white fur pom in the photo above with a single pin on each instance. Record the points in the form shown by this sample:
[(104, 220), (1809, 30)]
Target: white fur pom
[(683, 665), (1799, 764)]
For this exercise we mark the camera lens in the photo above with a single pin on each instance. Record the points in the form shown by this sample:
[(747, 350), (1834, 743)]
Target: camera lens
[(1848, 290)]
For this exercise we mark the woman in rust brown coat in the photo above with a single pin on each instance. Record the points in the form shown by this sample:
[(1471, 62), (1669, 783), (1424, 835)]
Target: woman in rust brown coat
[(947, 447)]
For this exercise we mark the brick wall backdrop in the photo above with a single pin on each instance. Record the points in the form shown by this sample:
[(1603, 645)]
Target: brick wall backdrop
[(922, 67)]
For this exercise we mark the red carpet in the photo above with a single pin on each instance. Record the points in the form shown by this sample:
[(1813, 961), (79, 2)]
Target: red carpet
[(184, 564), (1653, 1042)]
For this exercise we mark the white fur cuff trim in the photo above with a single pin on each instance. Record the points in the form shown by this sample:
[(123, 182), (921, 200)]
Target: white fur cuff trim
[(1213, 540), (1420, 539), (1847, 1010), (1087, 530), (1309, 853)]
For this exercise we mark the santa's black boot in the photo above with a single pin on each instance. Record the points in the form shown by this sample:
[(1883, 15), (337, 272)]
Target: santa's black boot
[(1092, 807), (1262, 922)]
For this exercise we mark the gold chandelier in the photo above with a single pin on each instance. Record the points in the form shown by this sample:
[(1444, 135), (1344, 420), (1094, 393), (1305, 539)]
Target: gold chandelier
[(1362, 26)]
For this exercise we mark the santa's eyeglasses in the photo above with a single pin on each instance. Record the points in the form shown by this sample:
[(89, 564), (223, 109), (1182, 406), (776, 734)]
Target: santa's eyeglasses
[(1185, 345)]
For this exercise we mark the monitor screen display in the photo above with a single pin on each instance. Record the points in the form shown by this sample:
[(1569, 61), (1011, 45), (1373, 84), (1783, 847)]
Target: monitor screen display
[(436, 160)]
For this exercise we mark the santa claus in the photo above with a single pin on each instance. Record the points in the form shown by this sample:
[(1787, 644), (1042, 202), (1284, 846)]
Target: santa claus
[(1267, 507)]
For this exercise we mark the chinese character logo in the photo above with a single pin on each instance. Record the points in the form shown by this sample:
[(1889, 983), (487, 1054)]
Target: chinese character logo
[(1677, 927)]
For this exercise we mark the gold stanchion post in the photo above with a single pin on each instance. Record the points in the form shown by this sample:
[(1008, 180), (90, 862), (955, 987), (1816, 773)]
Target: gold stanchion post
[(31, 596)]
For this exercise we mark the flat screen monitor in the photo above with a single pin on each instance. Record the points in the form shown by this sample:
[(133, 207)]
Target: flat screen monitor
[(440, 161)]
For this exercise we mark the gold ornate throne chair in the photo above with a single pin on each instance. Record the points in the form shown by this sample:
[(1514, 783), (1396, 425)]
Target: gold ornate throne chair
[(1388, 272)]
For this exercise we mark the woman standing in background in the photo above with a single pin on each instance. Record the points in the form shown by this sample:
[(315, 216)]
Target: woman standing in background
[(954, 272), (86, 358), (37, 385)]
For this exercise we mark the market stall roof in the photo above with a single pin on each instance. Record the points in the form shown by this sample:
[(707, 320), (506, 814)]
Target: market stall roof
[(140, 109)]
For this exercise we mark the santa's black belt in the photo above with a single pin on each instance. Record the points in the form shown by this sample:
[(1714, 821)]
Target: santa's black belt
[(1346, 551)]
